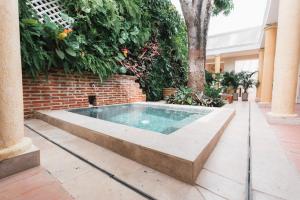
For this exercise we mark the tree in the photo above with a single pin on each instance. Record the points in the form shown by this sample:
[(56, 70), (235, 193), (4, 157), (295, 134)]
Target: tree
[(197, 15)]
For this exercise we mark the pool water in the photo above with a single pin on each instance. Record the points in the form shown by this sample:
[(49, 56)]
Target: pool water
[(147, 117)]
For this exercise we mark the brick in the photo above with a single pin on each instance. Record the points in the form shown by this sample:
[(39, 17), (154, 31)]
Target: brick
[(64, 91)]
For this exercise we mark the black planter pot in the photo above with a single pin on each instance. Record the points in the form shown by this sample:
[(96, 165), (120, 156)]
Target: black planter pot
[(235, 96), (245, 96)]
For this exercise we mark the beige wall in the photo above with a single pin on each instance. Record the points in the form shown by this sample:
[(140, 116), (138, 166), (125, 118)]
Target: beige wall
[(229, 62)]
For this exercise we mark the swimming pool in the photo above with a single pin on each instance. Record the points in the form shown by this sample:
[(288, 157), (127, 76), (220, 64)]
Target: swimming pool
[(157, 119)]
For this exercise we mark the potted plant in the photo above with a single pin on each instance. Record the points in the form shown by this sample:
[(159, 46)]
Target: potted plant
[(231, 83), (168, 91), (227, 82), (246, 81), (230, 99), (235, 86)]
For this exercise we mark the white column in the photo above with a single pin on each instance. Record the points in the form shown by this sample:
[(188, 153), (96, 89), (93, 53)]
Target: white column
[(260, 72), (268, 65), (287, 59), (12, 140)]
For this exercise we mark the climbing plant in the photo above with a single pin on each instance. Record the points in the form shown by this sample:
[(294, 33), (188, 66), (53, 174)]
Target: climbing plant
[(105, 35)]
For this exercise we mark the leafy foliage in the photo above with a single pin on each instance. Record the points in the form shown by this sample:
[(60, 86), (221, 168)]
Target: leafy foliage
[(246, 80), (210, 98), (222, 6), (183, 96), (99, 35), (33, 55), (230, 80), (212, 92), (209, 78), (163, 61)]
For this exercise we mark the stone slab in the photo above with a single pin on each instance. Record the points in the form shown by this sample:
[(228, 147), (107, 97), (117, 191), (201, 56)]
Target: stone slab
[(222, 186), (262, 196), (24, 161), (80, 180), (230, 156)]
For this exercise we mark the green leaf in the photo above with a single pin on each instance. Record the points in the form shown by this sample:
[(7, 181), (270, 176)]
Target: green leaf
[(121, 40), (120, 57), (71, 52), (60, 54), (189, 100), (122, 70)]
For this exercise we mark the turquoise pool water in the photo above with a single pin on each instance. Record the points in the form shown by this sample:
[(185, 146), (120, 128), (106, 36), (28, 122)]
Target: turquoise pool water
[(147, 117)]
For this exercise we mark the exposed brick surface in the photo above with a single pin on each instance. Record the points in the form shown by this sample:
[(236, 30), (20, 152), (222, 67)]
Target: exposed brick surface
[(65, 91)]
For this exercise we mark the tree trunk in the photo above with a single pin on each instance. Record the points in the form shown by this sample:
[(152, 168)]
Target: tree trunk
[(197, 15)]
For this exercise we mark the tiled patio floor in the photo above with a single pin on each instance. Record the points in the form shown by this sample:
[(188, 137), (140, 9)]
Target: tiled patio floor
[(33, 184), (289, 136)]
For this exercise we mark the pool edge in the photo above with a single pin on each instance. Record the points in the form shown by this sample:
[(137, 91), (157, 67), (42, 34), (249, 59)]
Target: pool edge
[(177, 167)]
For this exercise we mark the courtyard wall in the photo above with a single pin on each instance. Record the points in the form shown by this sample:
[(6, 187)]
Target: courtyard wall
[(65, 91)]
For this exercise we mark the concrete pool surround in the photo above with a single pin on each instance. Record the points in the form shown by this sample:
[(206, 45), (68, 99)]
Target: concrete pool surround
[(181, 154)]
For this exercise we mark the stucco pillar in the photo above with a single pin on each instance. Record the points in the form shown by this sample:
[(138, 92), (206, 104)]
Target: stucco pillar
[(217, 64), (287, 59), (268, 64), (12, 140), (260, 72), (298, 94)]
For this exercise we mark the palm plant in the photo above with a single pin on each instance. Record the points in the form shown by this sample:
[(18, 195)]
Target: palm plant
[(235, 86), (246, 81), (228, 81), (231, 80)]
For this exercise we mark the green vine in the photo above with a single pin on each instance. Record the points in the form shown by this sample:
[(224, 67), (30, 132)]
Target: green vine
[(99, 35)]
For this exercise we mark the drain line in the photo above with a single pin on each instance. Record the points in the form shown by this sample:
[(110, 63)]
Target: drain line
[(124, 183), (249, 186)]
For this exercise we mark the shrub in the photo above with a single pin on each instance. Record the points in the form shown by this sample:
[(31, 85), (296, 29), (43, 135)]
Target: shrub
[(185, 96), (230, 80), (211, 97), (209, 78)]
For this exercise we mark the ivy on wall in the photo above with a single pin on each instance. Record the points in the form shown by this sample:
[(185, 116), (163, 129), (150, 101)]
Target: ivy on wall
[(106, 34)]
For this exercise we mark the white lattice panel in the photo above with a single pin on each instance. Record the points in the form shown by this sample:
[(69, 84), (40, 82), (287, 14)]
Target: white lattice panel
[(52, 9)]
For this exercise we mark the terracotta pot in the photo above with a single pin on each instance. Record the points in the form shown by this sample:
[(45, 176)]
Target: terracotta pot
[(230, 99), (167, 92), (245, 96), (235, 96)]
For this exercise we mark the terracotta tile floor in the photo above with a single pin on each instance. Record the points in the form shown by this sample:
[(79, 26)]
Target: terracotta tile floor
[(33, 184), (289, 136)]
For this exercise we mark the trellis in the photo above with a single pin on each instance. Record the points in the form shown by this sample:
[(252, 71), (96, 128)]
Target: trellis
[(52, 9)]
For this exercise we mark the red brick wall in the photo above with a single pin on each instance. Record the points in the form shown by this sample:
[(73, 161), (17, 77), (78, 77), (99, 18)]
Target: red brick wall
[(63, 91)]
